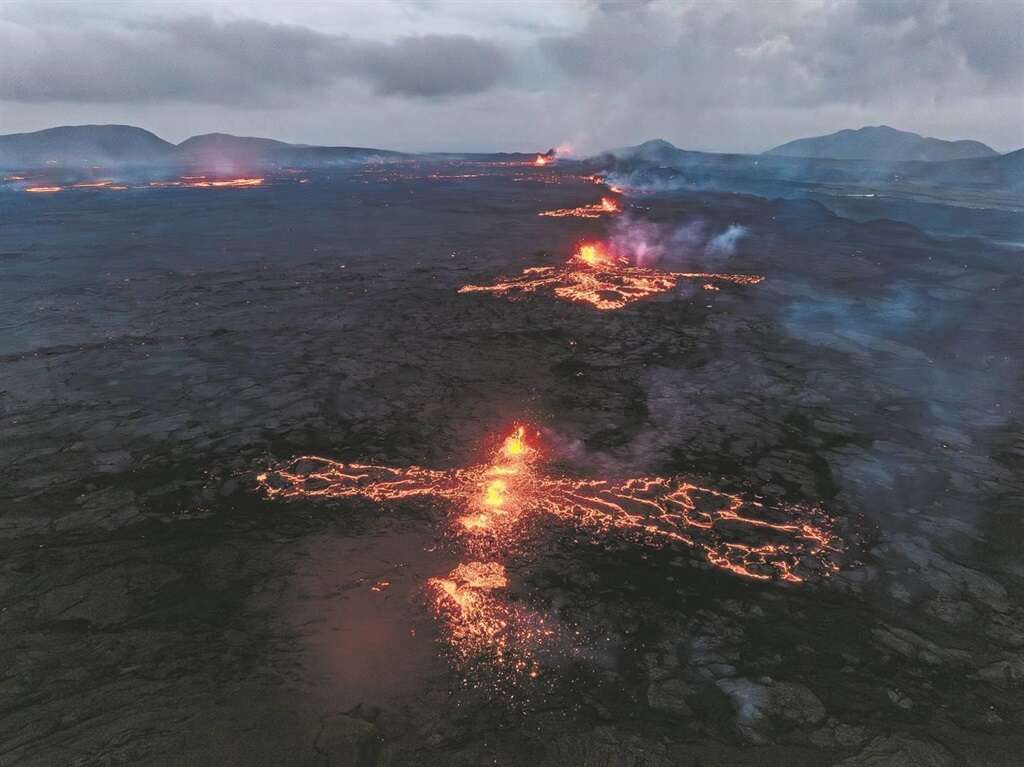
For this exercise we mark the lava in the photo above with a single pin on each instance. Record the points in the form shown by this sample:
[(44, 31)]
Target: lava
[(606, 207), (605, 281), (44, 189), (541, 160), (496, 499), (202, 182), (496, 504), (481, 626)]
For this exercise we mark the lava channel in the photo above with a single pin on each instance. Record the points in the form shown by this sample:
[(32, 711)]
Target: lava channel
[(593, 276), (607, 206), (493, 502)]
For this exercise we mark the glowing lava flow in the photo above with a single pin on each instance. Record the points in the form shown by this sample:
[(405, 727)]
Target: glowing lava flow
[(593, 276), (541, 160), (494, 501), (606, 207), (44, 189), (201, 182), (498, 503)]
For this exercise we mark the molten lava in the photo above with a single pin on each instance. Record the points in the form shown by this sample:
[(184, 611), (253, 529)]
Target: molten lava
[(541, 160), (603, 280), (480, 626), (202, 182), (496, 504), (499, 497), (44, 189), (606, 207)]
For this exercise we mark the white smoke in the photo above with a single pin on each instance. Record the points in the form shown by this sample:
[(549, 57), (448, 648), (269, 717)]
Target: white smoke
[(640, 242), (689, 245), (724, 245)]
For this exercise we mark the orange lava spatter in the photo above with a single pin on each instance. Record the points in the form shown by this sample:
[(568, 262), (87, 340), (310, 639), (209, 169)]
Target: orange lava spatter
[(594, 276)]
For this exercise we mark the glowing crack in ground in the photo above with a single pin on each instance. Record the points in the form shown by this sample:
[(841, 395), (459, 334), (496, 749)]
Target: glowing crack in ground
[(594, 277), (606, 207), (495, 503)]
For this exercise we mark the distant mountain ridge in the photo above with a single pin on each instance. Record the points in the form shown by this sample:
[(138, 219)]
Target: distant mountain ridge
[(881, 144), (656, 158), (85, 145), (112, 145)]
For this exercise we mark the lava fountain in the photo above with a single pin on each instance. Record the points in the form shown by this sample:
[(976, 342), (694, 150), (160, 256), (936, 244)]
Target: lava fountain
[(603, 280)]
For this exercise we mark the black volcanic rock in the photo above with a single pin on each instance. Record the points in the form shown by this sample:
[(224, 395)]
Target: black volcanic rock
[(883, 144), (84, 145)]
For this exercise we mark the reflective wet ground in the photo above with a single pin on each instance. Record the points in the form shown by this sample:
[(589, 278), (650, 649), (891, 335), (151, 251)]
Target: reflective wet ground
[(163, 347)]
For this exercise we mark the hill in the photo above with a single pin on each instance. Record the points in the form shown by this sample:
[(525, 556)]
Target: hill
[(881, 144), (110, 145), (84, 145)]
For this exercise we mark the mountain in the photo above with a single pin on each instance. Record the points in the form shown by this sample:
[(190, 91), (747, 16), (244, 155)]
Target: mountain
[(654, 151), (1004, 171), (224, 153), (226, 143), (84, 145), (881, 144), (659, 163), (110, 145)]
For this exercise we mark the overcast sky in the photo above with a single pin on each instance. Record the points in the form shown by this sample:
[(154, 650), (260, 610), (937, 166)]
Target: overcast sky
[(477, 75)]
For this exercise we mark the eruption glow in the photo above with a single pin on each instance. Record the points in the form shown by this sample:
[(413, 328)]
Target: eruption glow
[(597, 277), (496, 504), (606, 207), (478, 625), (541, 160), (496, 498), (44, 189), (202, 182)]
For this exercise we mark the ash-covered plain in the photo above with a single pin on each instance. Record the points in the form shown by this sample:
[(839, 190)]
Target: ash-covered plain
[(166, 349)]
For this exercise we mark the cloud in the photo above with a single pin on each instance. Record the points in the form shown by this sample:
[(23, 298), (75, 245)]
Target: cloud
[(714, 76), (694, 55), (241, 62), (433, 65)]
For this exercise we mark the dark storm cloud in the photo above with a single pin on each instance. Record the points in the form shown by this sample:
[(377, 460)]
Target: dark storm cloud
[(740, 76), (433, 65), (841, 52), (244, 63)]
